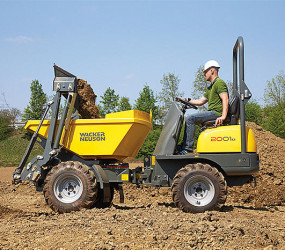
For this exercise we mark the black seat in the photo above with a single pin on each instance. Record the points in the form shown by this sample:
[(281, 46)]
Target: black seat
[(232, 117), (234, 109)]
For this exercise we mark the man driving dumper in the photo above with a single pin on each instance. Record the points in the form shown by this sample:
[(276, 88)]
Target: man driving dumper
[(218, 100)]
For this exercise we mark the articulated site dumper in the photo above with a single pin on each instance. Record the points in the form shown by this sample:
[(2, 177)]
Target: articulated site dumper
[(83, 159)]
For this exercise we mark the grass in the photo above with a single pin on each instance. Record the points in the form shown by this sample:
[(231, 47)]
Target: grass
[(13, 148)]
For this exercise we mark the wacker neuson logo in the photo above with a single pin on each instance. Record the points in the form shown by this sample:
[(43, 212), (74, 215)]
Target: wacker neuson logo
[(92, 136)]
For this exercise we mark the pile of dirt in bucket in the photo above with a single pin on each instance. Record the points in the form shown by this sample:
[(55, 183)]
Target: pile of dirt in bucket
[(87, 98), (270, 189)]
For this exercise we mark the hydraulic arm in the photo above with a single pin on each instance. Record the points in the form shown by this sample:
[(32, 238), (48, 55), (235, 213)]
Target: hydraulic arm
[(65, 84)]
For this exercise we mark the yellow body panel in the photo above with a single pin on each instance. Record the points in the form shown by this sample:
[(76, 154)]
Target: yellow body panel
[(225, 139), (118, 136)]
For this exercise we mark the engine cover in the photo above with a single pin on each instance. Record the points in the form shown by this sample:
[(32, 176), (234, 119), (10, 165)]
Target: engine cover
[(225, 139)]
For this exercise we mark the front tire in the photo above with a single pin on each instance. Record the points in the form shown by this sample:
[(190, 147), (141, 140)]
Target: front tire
[(70, 186), (198, 188)]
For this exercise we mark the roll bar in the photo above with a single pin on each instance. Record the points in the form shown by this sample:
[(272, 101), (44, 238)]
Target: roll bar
[(243, 92)]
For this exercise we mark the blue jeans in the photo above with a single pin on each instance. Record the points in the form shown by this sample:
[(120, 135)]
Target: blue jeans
[(191, 120)]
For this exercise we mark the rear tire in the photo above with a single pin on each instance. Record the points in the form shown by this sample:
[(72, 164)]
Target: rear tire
[(199, 187), (70, 186)]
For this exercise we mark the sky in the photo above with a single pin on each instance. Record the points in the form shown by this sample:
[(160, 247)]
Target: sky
[(127, 44)]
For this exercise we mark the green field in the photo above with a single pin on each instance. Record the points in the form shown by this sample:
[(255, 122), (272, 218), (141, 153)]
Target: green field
[(13, 148)]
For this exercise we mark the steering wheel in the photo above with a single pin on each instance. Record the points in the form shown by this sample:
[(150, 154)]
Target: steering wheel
[(189, 105)]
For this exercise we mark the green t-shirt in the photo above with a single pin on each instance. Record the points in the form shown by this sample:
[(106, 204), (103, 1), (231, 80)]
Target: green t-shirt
[(213, 96)]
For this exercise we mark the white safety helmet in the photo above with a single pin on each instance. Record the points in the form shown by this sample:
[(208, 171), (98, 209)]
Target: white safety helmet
[(210, 64)]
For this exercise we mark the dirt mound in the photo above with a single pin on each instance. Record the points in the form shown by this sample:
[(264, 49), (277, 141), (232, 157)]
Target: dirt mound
[(148, 219), (270, 190), (87, 98)]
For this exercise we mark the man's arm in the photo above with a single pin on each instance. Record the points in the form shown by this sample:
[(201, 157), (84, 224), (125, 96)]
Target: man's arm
[(225, 102), (199, 102)]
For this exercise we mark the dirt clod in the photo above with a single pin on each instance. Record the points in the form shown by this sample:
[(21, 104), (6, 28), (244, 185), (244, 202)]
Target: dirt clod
[(87, 98)]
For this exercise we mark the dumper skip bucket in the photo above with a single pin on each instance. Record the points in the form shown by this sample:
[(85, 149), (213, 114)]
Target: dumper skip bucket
[(118, 136)]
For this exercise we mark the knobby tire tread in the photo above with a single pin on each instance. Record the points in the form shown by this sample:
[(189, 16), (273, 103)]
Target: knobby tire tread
[(90, 194), (176, 187)]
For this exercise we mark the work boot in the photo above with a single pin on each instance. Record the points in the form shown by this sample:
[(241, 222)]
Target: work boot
[(185, 152)]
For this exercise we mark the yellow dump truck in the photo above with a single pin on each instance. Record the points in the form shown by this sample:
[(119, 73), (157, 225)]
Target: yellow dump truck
[(84, 160)]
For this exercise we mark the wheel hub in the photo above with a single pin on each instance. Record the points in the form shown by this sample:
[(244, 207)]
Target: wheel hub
[(68, 188), (199, 191)]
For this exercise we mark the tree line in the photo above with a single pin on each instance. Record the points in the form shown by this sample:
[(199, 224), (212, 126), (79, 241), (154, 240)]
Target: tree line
[(159, 103), (270, 115)]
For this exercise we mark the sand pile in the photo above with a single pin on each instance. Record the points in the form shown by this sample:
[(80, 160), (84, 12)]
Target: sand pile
[(87, 98), (270, 190)]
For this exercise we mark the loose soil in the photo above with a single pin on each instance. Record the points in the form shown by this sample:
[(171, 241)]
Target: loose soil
[(253, 217), (270, 190)]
